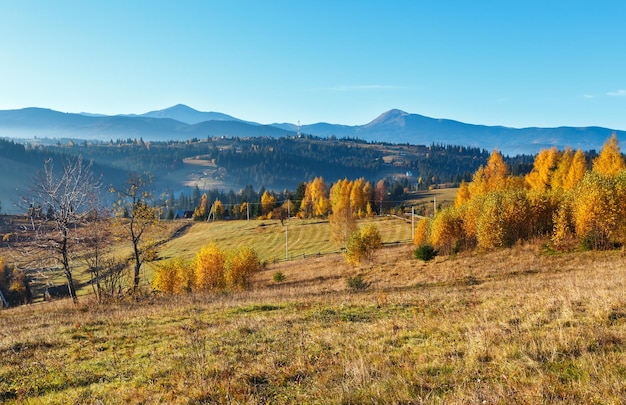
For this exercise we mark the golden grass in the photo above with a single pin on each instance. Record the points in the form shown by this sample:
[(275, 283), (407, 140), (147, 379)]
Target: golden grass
[(510, 326), (267, 238)]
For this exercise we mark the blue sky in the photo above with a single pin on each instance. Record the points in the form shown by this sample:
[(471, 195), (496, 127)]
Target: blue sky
[(512, 63)]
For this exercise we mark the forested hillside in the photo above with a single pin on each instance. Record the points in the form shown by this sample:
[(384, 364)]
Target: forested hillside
[(261, 163)]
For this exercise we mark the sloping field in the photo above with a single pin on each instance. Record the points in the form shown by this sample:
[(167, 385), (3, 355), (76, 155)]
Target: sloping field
[(270, 239), (514, 326)]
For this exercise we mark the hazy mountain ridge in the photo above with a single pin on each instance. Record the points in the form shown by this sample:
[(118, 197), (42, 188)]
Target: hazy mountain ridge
[(181, 122)]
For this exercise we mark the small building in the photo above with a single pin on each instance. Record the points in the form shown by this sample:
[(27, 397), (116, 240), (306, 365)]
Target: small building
[(182, 214)]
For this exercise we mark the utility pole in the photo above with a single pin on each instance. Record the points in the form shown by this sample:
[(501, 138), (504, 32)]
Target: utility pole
[(412, 223), (286, 242)]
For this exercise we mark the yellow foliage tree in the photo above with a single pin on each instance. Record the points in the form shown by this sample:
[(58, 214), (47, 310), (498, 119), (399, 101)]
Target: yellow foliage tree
[(210, 265), (610, 160), (463, 195), (559, 176), (422, 231), (240, 266), (597, 211), (492, 177), (315, 202), (200, 212), (342, 221), (577, 170), (218, 209), (446, 231), (503, 219), (546, 162), (268, 202), (362, 244), (174, 276), (563, 231), (360, 194)]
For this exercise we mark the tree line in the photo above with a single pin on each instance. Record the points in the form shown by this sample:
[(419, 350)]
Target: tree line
[(565, 197)]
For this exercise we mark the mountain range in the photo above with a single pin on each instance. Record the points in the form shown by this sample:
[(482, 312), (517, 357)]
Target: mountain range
[(181, 122)]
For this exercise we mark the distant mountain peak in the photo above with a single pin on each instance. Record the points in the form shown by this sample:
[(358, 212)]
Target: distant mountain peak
[(180, 107), (188, 115), (394, 116)]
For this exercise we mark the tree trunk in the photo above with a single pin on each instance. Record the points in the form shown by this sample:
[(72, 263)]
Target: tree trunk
[(67, 269)]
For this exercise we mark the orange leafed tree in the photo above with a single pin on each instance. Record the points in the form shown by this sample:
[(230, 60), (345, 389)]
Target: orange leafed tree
[(610, 161), (463, 195), (210, 268), (559, 177), (577, 170), (342, 222), (360, 194), (240, 266), (268, 202), (492, 177), (546, 162), (315, 203)]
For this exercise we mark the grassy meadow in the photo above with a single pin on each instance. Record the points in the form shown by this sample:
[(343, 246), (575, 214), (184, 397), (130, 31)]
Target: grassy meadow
[(306, 237), (519, 325)]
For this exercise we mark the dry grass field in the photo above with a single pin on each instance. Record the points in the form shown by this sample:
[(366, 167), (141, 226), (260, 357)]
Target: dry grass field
[(520, 325)]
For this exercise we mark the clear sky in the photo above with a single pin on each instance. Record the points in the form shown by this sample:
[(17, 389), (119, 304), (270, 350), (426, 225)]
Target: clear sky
[(513, 63)]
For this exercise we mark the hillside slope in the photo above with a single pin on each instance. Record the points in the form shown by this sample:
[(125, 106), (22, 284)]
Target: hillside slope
[(510, 326)]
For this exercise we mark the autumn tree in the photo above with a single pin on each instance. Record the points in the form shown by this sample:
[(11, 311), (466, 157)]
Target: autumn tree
[(494, 176), (218, 209), (174, 276), (209, 268), (342, 220), (463, 195), (610, 161), (558, 179), (422, 231), (380, 194), (64, 197), (107, 272), (597, 211), (446, 230), (315, 202), (360, 195), (577, 170), (268, 202), (201, 212), (546, 163), (362, 244), (138, 217), (241, 264)]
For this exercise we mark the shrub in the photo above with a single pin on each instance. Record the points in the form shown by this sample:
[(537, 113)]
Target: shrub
[(357, 283), (425, 252), (210, 266), (278, 277), (241, 264), (422, 231), (362, 244), (447, 230), (174, 276)]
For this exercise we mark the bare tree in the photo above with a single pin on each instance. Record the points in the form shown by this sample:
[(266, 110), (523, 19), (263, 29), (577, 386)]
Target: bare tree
[(59, 202), (138, 216)]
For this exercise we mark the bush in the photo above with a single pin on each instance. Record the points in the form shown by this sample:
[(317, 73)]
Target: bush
[(425, 252), (278, 277), (356, 283), (240, 265), (210, 268), (362, 244), (174, 276)]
